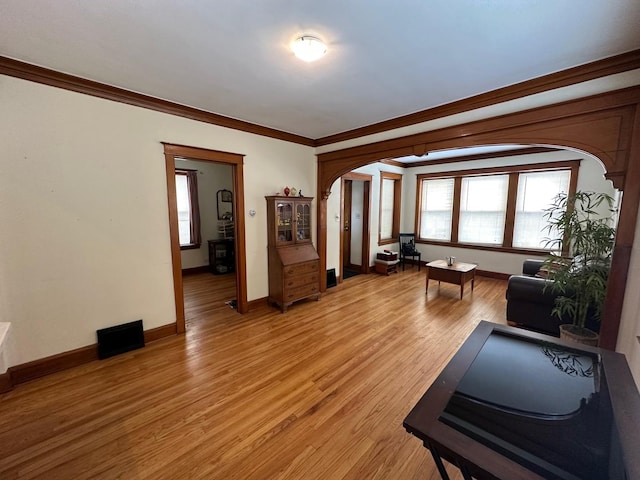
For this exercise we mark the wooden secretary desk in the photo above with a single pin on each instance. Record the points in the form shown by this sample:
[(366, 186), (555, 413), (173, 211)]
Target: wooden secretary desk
[(294, 265)]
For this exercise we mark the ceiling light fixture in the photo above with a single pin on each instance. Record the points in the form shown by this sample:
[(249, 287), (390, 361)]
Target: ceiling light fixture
[(308, 48)]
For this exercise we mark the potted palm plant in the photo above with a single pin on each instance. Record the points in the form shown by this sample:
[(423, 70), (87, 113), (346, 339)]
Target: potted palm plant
[(583, 239)]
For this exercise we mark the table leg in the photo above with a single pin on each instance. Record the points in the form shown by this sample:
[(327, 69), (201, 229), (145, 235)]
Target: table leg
[(465, 473), (427, 286), (461, 288), (436, 458), (473, 280)]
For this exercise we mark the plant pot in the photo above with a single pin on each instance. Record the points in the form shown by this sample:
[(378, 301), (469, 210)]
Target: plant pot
[(580, 335)]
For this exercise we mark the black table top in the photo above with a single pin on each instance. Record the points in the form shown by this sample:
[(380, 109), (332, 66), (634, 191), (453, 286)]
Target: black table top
[(525, 405)]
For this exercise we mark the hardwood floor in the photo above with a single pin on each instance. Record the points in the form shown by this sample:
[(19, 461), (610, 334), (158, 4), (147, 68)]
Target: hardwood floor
[(317, 393), (205, 295)]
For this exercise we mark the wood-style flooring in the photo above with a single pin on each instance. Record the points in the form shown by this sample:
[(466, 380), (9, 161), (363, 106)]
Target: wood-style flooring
[(317, 393)]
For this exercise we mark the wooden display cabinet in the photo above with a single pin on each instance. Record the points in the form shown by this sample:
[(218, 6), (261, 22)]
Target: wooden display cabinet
[(294, 265)]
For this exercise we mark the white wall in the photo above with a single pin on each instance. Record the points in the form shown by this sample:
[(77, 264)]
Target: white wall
[(334, 220), (629, 335), (83, 206), (211, 178), (357, 221)]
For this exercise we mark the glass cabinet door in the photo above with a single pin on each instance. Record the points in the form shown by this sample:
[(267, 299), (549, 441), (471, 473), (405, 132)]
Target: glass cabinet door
[(284, 220), (303, 222)]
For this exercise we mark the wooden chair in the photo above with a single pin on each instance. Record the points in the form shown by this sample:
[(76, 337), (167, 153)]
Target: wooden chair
[(408, 249)]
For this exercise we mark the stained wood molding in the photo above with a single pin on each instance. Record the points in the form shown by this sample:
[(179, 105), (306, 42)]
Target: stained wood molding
[(608, 66), (472, 158), (195, 270), (157, 333), (258, 303), (600, 125), (73, 358), (496, 275), (45, 76), (55, 363), (6, 382), (395, 163)]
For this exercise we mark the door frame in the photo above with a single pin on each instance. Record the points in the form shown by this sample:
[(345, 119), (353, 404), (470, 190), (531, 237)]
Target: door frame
[(366, 217), (236, 161)]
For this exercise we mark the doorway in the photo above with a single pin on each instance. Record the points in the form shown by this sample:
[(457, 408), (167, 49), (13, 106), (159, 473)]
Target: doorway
[(355, 232), (206, 229), (174, 153)]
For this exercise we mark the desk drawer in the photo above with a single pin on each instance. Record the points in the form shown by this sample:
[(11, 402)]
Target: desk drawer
[(300, 280), (292, 294), (301, 268)]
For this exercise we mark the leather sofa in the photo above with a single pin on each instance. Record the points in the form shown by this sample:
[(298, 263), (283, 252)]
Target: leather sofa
[(529, 304)]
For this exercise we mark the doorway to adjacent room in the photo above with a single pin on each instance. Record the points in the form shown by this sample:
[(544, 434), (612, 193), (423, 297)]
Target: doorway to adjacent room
[(232, 209), (354, 242)]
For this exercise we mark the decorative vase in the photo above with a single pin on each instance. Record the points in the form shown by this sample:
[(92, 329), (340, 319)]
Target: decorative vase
[(580, 335), (293, 191), (286, 191)]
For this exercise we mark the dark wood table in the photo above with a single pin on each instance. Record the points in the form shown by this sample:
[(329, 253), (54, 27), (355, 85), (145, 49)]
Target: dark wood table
[(459, 273), (513, 404)]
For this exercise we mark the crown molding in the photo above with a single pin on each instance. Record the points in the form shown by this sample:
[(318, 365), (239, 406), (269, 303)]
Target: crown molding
[(45, 76), (479, 156), (608, 66), (601, 68)]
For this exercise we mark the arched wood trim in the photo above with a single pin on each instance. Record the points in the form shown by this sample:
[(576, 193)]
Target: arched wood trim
[(605, 125), (171, 152)]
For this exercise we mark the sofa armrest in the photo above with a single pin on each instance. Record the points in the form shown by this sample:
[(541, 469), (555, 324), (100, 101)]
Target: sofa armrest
[(530, 304), (531, 267), (530, 289)]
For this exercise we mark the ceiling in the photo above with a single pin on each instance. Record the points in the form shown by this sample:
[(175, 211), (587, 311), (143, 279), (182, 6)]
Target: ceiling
[(385, 59)]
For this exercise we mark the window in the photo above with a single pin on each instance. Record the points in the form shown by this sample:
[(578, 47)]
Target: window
[(390, 197), (188, 210), (536, 191), (436, 209), (491, 208), (483, 206)]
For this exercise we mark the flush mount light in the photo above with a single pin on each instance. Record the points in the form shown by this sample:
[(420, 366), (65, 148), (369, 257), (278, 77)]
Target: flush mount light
[(308, 48)]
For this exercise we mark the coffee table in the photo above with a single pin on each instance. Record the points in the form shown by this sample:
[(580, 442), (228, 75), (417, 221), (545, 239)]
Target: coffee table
[(459, 273)]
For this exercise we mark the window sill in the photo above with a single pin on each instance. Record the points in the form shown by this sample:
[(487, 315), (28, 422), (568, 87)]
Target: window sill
[(497, 248), (387, 241), (191, 246)]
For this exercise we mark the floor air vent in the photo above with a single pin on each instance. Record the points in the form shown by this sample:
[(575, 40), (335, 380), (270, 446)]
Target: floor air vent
[(119, 339)]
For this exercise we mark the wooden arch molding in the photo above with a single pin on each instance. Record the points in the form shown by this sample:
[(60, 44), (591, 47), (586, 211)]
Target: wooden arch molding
[(606, 126)]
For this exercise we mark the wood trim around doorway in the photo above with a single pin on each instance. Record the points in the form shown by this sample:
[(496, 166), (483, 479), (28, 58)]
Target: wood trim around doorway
[(236, 161), (366, 220)]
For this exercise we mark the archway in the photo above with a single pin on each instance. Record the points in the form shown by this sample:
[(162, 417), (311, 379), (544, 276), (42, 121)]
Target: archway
[(606, 126)]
